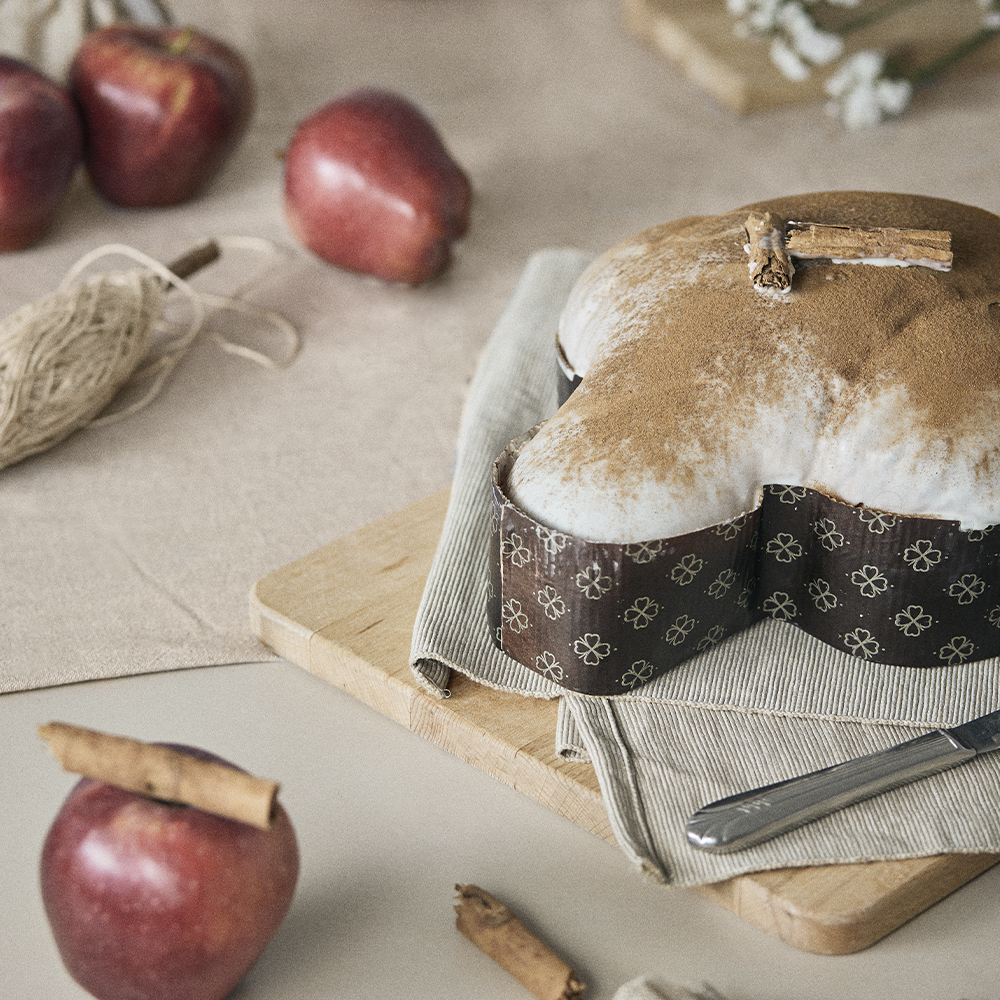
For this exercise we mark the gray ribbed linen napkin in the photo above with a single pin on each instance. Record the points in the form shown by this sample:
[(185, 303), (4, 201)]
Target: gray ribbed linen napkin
[(764, 705), (514, 387)]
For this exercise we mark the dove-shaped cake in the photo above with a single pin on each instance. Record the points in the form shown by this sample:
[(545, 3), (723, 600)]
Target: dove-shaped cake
[(816, 377)]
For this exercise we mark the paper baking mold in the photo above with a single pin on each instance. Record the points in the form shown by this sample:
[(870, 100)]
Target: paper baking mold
[(603, 618)]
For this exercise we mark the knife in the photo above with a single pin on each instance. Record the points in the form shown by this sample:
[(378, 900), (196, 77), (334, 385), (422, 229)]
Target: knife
[(749, 818)]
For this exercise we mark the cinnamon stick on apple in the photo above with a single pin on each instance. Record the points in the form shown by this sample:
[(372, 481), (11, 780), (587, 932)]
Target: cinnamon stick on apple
[(493, 928), (770, 266), (162, 772)]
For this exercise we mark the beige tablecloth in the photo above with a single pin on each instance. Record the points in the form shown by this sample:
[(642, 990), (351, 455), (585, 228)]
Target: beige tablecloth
[(132, 548)]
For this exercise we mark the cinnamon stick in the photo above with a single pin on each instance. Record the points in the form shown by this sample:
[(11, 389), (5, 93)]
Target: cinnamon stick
[(923, 247), (770, 266), (493, 928), (163, 773)]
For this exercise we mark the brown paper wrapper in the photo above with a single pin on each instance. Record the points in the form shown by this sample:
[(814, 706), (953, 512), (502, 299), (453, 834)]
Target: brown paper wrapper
[(603, 618)]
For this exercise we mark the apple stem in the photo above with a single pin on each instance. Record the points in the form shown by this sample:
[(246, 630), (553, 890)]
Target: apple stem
[(181, 42), (165, 773)]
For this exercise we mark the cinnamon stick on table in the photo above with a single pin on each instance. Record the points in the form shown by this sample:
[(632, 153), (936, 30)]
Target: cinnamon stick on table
[(493, 928), (770, 266), (163, 773), (923, 247)]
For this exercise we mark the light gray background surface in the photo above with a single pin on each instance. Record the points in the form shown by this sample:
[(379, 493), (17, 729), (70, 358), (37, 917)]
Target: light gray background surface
[(388, 823)]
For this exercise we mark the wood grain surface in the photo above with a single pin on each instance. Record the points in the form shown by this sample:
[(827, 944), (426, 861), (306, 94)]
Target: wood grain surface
[(345, 613)]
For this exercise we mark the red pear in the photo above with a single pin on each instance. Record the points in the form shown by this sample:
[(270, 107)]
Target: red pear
[(370, 187)]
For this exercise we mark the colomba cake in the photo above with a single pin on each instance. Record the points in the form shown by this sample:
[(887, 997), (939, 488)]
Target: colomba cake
[(839, 352)]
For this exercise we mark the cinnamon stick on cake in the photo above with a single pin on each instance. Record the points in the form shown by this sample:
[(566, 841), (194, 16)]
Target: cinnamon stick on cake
[(922, 247), (770, 266)]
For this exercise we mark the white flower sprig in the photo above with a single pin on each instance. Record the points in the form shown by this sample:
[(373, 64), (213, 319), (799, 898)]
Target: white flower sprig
[(863, 94), (798, 43), (866, 88), (991, 14)]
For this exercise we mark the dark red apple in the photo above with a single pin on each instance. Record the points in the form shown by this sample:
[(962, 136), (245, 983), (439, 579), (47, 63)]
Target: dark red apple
[(41, 144), (370, 187), (164, 107), (150, 900)]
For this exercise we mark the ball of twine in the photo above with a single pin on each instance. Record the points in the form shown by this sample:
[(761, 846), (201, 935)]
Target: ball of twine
[(64, 357)]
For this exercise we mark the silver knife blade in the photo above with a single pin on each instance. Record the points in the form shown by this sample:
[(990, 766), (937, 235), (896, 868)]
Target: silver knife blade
[(748, 818)]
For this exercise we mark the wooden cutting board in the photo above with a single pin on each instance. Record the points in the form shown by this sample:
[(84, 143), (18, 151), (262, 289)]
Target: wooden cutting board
[(697, 37), (346, 613)]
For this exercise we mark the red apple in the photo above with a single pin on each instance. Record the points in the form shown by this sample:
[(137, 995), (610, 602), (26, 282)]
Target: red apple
[(41, 143), (164, 107), (370, 186), (150, 900)]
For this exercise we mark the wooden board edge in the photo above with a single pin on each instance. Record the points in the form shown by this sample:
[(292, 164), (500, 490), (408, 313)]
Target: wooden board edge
[(736, 88), (767, 900), (764, 900), (559, 785), (340, 666), (454, 724), (451, 724), (278, 632)]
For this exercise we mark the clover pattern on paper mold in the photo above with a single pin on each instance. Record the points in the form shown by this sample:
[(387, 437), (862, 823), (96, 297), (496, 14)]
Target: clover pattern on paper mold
[(603, 618)]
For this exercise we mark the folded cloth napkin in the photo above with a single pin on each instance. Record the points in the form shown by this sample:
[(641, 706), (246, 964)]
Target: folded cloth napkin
[(764, 705)]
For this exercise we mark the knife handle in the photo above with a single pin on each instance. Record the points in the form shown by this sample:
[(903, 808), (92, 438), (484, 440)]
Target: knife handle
[(749, 818)]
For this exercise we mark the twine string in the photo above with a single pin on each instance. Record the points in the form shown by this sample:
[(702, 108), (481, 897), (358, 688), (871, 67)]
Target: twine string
[(235, 303), (65, 357), (160, 368)]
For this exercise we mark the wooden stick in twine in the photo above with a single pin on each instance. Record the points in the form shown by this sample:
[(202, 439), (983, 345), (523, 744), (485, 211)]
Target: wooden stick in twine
[(163, 773), (195, 259), (493, 928)]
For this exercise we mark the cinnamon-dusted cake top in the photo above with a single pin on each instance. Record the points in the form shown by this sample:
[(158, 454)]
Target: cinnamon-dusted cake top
[(879, 385)]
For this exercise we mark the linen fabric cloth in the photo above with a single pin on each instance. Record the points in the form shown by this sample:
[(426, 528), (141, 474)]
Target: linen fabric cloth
[(764, 705)]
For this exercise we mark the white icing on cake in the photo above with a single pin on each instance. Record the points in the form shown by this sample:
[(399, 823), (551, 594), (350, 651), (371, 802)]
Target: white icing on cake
[(877, 388)]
